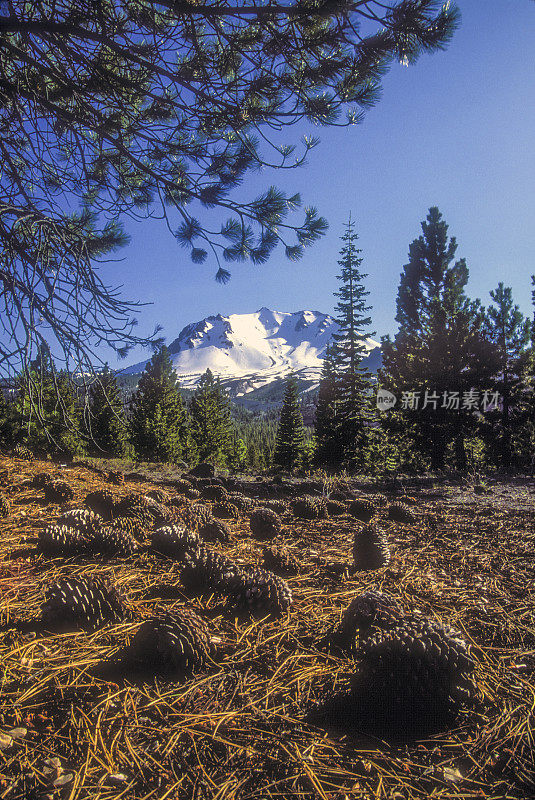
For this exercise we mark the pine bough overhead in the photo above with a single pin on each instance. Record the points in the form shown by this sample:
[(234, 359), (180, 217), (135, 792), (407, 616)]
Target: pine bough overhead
[(81, 602)]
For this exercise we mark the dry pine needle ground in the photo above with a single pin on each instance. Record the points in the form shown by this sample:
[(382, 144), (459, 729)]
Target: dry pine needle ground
[(71, 728)]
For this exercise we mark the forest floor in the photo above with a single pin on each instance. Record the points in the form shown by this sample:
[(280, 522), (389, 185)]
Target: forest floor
[(240, 729)]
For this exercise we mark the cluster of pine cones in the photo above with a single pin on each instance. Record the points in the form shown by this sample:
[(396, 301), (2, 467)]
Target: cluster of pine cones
[(407, 663), (82, 530), (176, 642), (245, 588)]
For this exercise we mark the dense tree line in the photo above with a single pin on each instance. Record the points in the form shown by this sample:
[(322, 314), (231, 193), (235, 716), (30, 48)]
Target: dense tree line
[(153, 423), (461, 373)]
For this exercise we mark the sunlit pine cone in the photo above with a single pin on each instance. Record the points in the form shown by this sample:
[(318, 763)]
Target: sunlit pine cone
[(362, 509), (400, 513), (207, 571), (4, 506), (61, 540), (58, 491), (309, 508), (259, 591), (265, 523), (82, 602), (418, 665), (225, 510), (370, 548), (177, 642), (101, 502), (174, 541), (83, 519)]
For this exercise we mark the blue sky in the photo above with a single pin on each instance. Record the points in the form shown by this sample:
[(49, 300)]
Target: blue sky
[(456, 130)]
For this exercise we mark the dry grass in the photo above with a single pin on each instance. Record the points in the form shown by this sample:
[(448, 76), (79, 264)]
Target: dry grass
[(239, 730)]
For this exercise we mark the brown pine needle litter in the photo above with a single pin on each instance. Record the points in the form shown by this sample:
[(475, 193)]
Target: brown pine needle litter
[(77, 722)]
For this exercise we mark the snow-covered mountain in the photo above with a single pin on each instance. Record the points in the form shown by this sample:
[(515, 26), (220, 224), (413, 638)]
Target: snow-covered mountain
[(249, 351)]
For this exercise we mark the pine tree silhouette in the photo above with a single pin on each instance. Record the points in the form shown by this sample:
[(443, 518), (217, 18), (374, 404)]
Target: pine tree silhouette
[(158, 423), (290, 440)]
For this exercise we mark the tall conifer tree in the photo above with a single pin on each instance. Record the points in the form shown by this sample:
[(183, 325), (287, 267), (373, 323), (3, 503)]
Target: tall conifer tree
[(210, 420), (327, 430), (290, 441), (158, 423), (353, 404), (439, 353), (48, 409), (509, 330), (107, 420)]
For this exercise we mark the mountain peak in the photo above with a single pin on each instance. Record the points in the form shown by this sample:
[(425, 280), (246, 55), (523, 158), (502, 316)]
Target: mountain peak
[(257, 348)]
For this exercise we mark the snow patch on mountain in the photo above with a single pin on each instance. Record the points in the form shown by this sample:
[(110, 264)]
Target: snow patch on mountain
[(252, 350)]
